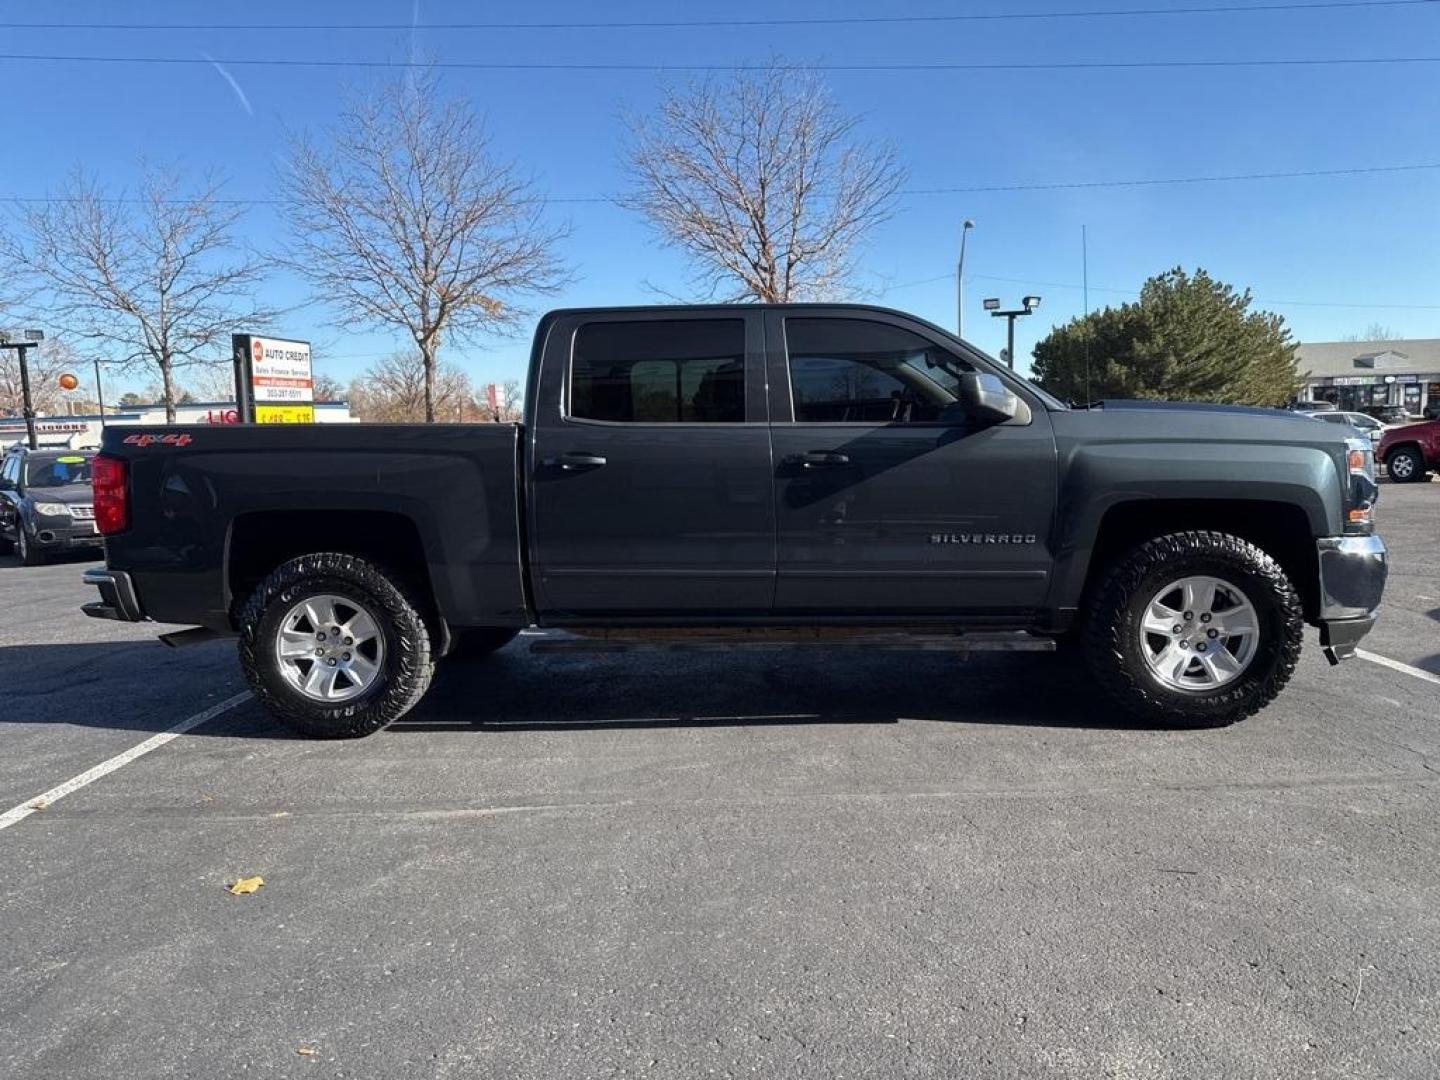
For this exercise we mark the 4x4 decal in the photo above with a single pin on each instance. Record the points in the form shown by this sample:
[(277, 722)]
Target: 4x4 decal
[(161, 440)]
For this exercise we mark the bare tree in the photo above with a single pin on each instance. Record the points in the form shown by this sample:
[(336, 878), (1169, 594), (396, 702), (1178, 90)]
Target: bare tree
[(394, 390), (1374, 332), (405, 220), (156, 281), (761, 181)]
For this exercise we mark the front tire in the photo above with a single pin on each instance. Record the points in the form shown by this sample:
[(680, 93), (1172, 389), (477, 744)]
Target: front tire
[(1405, 466), (333, 647), (28, 553), (1194, 629)]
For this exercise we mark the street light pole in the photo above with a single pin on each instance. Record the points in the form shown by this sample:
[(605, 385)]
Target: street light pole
[(100, 393), (27, 405), (960, 281), (1028, 305)]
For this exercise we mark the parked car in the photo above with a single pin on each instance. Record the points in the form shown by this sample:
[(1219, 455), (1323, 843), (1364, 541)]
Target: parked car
[(1366, 425), (1411, 452), (1388, 414), (1312, 406), (45, 503), (750, 474), (1431, 410)]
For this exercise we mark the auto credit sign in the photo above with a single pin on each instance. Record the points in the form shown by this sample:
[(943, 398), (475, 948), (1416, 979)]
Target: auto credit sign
[(275, 380)]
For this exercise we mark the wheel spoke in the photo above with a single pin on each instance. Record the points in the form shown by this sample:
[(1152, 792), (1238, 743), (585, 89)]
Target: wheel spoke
[(1220, 665), (319, 613), (1199, 595), (1160, 619), (1234, 622), (361, 627), (315, 681), (296, 643), (363, 669)]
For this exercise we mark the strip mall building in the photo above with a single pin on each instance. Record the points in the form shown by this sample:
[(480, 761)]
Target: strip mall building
[(1358, 374)]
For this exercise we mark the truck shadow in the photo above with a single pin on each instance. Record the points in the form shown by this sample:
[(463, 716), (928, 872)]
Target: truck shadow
[(515, 690), (142, 686)]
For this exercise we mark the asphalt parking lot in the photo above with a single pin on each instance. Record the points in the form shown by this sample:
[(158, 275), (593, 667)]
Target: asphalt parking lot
[(772, 865)]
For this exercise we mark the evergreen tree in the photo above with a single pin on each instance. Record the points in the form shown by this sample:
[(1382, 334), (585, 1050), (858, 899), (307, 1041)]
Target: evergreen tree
[(1188, 338)]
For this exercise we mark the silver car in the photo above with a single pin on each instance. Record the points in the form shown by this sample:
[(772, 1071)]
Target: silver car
[(1366, 425)]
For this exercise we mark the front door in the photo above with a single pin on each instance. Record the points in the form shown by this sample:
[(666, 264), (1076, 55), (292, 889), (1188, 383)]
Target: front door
[(888, 497), (650, 491)]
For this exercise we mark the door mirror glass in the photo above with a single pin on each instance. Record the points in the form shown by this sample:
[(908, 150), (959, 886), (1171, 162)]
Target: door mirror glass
[(986, 398)]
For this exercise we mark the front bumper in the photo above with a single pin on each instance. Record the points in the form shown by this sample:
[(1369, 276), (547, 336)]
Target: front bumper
[(1352, 581), (55, 535), (117, 596)]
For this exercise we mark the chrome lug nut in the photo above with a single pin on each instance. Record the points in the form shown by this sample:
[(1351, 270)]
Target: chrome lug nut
[(345, 657), (1178, 629), (1188, 616), (1213, 633), (331, 661), (320, 636), (349, 641), (1200, 647), (319, 652), (1205, 616)]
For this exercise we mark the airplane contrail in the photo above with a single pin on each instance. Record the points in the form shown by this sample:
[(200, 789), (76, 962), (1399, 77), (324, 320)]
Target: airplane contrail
[(239, 93)]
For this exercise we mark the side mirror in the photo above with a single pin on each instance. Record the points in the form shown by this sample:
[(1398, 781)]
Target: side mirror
[(985, 398)]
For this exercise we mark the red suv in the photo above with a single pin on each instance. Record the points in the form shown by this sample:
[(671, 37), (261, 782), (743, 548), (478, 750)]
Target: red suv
[(1410, 452)]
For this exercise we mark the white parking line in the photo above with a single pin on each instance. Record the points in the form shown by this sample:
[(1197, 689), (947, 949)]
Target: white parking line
[(1396, 665), (89, 776)]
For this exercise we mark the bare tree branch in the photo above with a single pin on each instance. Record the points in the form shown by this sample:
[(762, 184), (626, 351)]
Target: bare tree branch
[(395, 389), (760, 181), (157, 283), (404, 220)]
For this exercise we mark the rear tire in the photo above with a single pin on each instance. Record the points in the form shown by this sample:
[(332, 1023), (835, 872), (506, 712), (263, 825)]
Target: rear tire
[(477, 643), (401, 648), (1156, 678), (1405, 465)]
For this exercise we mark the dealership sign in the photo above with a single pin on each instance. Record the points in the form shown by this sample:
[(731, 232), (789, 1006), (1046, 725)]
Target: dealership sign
[(275, 382)]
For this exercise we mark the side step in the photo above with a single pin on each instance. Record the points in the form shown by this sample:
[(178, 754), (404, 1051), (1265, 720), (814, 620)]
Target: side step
[(786, 638)]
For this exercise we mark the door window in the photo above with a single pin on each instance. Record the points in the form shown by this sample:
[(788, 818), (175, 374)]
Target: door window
[(858, 371), (668, 371)]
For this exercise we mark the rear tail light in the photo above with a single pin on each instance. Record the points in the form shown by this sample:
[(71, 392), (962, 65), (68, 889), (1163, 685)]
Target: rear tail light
[(110, 479)]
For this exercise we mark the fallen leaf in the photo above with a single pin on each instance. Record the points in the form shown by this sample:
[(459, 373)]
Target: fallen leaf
[(246, 885), (39, 804), (306, 1051)]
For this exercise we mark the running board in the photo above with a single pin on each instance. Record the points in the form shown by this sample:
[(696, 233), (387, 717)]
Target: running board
[(766, 639)]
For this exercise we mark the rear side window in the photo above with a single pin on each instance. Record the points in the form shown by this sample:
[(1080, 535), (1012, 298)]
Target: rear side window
[(846, 371), (668, 371)]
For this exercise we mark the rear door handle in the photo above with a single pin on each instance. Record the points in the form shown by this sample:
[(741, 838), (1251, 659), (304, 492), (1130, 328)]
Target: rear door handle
[(575, 461), (823, 459)]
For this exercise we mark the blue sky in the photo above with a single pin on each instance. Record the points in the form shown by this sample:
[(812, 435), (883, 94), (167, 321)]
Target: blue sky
[(1304, 245)]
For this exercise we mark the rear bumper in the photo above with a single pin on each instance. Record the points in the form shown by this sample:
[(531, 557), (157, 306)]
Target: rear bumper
[(117, 596), (1352, 581)]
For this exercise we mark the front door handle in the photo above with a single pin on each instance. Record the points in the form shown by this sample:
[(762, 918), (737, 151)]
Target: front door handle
[(823, 459), (574, 461)]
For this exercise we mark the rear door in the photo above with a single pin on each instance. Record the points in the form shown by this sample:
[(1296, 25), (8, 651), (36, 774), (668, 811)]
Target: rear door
[(650, 490), (888, 498)]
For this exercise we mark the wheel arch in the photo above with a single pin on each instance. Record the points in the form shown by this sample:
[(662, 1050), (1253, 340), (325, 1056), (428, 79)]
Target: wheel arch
[(1281, 529), (261, 540)]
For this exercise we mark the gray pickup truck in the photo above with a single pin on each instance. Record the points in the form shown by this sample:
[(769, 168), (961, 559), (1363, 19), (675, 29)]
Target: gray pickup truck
[(742, 476)]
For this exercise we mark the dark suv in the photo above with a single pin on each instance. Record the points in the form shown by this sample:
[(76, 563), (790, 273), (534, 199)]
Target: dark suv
[(45, 503)]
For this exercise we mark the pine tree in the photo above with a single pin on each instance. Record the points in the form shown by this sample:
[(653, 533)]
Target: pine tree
[(1188, 338)]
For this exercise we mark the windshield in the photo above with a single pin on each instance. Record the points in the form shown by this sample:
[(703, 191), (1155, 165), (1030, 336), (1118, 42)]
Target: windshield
[(57, 471)]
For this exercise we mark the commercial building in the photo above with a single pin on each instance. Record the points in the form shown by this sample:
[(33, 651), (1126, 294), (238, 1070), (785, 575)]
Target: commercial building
[(1358, 374), (83, 432)]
